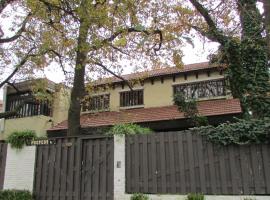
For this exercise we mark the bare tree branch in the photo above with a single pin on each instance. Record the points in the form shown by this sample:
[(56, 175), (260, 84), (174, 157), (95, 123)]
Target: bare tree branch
[(214, 31), (114, 74), (17, 67), (132, 30), (59, 58), (67, 10), (118, 49), (19, 32)]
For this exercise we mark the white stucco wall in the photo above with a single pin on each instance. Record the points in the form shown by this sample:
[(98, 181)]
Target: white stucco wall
[(20, 164)]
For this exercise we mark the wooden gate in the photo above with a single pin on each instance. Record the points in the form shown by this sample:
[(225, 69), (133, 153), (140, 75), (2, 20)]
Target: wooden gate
[(75, 169), (3, 156)]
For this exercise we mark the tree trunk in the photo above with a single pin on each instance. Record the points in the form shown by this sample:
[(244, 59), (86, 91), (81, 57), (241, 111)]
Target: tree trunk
[(78, 84)]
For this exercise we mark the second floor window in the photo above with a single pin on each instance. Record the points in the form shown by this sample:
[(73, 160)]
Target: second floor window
[(131, 98), (202, 89), (96, 103)]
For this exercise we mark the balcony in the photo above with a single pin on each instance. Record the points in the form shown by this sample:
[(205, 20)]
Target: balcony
[(203, 89)]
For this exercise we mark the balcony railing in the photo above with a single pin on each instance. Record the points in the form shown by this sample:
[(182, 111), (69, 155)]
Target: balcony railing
[(202, 89), (31, 106), (96, 103)]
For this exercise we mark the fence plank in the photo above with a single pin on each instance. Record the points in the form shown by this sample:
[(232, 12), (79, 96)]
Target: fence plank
[(154, 164), (172, 164), (212, 168), (181, 164), (201, 166), (96, 174), (255, 166), (51, 163), (191, 162), (245, 165), (162, 163), (3, 156), (136, 164), (145, 165)]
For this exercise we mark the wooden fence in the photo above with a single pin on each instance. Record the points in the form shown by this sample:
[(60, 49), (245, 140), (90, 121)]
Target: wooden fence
[(3, 156), (184, 163), (75, 169)]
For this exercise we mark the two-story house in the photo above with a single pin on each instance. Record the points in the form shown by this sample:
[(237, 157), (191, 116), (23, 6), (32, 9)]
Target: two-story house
[(150, 102)]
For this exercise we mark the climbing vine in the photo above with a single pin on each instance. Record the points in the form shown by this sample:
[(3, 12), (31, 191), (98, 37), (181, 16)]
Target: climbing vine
[(247, 61), (190, 110), (240, 132)]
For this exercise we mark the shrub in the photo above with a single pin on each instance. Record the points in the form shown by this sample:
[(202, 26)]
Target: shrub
[(128, 129), (195, 197), (241, 132), (18, 139), (15, 195), (139, 196)]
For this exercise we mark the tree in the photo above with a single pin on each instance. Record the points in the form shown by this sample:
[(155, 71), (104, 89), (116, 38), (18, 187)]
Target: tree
[(91, 35), (242, 49)]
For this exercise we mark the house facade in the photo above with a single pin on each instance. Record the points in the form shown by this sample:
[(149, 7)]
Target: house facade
[(36, 114), (146, 98)]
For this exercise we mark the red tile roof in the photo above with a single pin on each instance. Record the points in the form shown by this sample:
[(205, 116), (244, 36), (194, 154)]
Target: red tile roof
[(159, 72), (206, 108)]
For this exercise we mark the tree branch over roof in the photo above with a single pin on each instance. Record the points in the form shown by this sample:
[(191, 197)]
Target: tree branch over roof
[(17, 67), (114, 74), (214, 32)]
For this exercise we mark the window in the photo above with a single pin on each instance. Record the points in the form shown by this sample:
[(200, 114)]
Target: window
[(131, 98), (96, 103), (202, 89), (30, 107)]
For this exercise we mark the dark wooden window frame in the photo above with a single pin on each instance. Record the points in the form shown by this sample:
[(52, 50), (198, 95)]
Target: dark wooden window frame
[(131, 98), (202, 89), (99, 102)]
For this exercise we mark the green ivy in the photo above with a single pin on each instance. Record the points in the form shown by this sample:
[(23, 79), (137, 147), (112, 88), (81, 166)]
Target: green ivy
[(139, 196), (195, 197), (18, 139), (128, 129), (190, 110), (247, 61), (15, 195), (241, 132)]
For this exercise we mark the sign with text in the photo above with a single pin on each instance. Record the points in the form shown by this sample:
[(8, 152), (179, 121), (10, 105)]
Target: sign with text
[(41, 142)]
